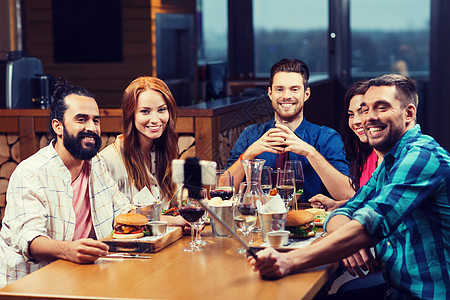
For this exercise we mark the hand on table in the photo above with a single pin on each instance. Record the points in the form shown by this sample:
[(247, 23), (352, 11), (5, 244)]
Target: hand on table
[(324, 202), (84, 251), (178, 221), (359, 262), (270, 263)]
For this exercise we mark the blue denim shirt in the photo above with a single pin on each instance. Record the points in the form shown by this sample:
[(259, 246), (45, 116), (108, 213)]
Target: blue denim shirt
[(326, 141)]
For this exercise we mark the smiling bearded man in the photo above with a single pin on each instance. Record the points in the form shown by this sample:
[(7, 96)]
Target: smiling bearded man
[(60, 201), (319, 148), (74, 144)]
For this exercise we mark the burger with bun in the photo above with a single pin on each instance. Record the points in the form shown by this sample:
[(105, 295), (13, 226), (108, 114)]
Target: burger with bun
[(129, 226), (300, 223)]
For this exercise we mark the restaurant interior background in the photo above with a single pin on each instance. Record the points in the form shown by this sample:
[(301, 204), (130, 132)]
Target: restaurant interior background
[(208, 49), (213, 50)]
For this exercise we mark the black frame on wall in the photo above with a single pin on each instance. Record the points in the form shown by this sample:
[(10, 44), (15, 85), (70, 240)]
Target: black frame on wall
[(87, 31)]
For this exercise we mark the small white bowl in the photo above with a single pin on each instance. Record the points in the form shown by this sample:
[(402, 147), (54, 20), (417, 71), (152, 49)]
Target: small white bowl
[(158, 227), (278, 238)]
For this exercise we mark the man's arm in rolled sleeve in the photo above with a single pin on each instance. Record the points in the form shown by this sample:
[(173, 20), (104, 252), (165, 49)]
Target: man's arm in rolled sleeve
[(27, 214), (341, 243)]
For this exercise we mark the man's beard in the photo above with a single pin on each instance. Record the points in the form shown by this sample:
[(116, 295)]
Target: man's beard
[(74, 144), (287, 116)]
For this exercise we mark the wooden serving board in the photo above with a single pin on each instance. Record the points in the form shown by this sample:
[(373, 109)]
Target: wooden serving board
[(149, 244)]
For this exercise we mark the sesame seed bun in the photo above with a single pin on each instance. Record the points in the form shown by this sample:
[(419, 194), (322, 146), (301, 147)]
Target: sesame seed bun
[(131, 219), (299, 217)]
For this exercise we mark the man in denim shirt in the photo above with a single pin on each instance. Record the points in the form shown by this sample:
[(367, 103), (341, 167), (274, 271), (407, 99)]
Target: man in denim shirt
[(319, 148)]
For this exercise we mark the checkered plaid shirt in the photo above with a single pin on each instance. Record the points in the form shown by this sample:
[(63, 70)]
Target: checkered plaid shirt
[(39, 203)]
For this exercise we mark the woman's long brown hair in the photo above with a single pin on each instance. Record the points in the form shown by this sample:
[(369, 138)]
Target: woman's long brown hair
[(356, 152), (166, 146)]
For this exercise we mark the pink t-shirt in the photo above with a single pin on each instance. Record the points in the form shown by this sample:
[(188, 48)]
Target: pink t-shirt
[(81, 204), (370, 166)]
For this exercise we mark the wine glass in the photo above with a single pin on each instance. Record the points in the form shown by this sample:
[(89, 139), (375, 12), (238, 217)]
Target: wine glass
[(274, 178), (245, 216), (299, 180), (191, 211), (266, 180), (224, 185), (199, 223), (285, 186)]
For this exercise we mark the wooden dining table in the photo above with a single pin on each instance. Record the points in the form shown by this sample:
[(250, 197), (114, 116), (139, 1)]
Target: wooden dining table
[(217, 272)]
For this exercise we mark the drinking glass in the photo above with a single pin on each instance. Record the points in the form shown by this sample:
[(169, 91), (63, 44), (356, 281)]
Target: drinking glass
[(252, 190), (191, 211), (299, 180), (223, 187), (245, 216), (266, 180), (284, 156), (285, 186), (274, 178), (243, 187), (249, 190), (285, 123), (198, 238)]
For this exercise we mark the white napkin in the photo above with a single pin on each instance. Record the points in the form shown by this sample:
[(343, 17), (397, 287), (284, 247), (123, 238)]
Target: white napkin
[(274, 205), (144, 197)]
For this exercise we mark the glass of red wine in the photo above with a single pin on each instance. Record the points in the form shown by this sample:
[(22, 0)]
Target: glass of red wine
[(299, 179), (224, 186), (191, 211), (198, 238), (245, 216)]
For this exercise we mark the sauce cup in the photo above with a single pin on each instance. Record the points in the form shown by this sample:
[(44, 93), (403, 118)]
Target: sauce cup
[(158, 227), (278, 238)]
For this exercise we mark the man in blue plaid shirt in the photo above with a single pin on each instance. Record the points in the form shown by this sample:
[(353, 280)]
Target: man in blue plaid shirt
[(404, 209)]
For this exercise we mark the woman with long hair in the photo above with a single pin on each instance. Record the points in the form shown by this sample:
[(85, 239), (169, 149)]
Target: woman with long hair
[(361, 156), (142, 155), (363, 162)]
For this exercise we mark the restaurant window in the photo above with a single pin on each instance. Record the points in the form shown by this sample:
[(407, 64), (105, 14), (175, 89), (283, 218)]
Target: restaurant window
[(212, 37), (390, 36), (213, 30), (291, 29)]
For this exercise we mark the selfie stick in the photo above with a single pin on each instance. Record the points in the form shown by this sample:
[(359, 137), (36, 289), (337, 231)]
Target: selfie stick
[(193, 182)]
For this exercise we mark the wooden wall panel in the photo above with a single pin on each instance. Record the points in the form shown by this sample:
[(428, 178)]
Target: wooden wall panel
[(9, 124), (106, 80), (41, 124), (28, 142), (185, 125)]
